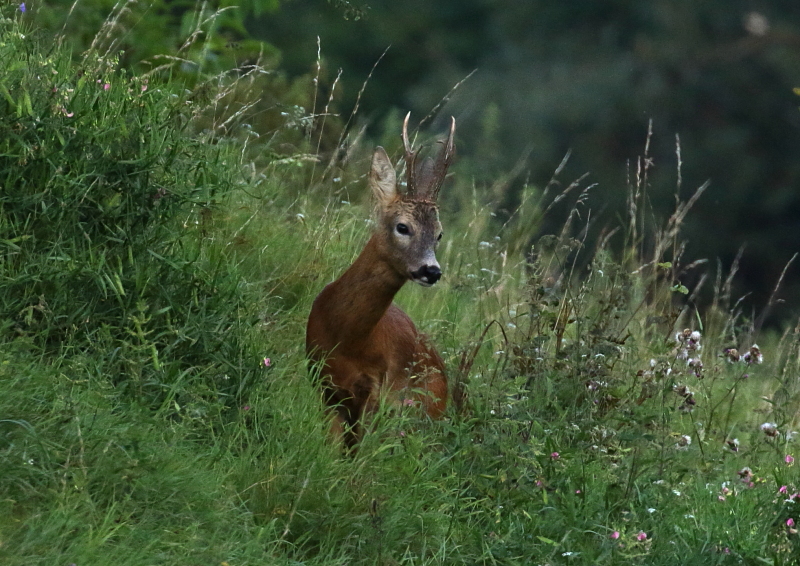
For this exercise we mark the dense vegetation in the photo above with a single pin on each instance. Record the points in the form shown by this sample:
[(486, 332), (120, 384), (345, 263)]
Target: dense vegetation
[(158, 259)]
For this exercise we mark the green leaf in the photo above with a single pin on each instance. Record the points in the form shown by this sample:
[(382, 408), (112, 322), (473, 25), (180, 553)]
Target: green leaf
[(678, 288)]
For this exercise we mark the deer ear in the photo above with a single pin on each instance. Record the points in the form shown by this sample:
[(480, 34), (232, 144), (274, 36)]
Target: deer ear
[(382, 178)]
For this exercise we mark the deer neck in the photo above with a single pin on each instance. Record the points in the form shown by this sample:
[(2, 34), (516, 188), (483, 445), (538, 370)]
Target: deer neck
[(364, 292)]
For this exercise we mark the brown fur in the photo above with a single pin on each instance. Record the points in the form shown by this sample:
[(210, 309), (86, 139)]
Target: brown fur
[(365, 345)]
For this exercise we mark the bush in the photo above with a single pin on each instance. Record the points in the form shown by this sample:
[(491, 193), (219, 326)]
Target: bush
[(106, 194)]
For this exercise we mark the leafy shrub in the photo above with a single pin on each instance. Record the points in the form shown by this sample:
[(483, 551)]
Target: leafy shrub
[(104, 186)]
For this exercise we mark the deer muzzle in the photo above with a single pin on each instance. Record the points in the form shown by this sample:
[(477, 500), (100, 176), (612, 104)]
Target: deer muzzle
[(427, 275)]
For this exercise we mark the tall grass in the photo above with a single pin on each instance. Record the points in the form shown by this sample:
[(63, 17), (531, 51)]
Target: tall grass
[(154, 400)]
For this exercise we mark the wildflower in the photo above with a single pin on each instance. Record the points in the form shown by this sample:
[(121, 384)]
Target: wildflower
[(696, 366), (22, 8), (246, 408), (688, 404), (746, 474), (726, 550), (733, 444), (106, 86), (753, 356), (721, 497), (783, 489), (681, 390), (642, 536), (684, 441), (789, 459), (555, 456), (614, 535), (651, 510), (266, 362), (770, 429), (732, 354), (790, 522), (593, 385), (408, 402)]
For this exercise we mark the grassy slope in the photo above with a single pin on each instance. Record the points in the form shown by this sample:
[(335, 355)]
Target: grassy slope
[(197, 454)]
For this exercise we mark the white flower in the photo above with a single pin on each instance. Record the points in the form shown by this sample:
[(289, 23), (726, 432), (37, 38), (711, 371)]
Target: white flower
[(753, 356), (770, 429)]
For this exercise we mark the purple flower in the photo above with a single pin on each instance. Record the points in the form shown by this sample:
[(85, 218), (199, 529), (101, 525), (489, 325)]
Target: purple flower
[(789, 459), (642, 536), (22, 8)]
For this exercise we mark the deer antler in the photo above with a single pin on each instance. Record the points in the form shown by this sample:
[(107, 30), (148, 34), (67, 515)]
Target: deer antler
[(426, 180), (444, 161), (411, 159)]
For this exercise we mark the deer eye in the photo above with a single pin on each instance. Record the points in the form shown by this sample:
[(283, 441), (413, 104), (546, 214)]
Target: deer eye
[(402, 229), (439, 238)]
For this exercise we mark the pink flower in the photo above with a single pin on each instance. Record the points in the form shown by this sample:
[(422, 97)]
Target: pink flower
[(783, 489), (642, 536), (614, 535), (246, 408), (577, 491), (790, 522), (555, 456), (726, 550), (106, 86), (789, 459), (267, 362), (408, 402), (721, 498), (539, 483)]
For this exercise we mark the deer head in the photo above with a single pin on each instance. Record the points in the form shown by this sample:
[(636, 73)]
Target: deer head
[(408, 221)]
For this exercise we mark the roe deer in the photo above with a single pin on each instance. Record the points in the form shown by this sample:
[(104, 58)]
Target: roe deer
[(366, 344)]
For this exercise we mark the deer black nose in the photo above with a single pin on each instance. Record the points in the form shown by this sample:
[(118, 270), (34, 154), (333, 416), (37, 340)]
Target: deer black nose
[(429, 274)]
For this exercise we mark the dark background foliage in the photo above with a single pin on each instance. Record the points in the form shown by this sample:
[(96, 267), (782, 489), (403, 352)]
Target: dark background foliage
[(588, 76), (553, 77)]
